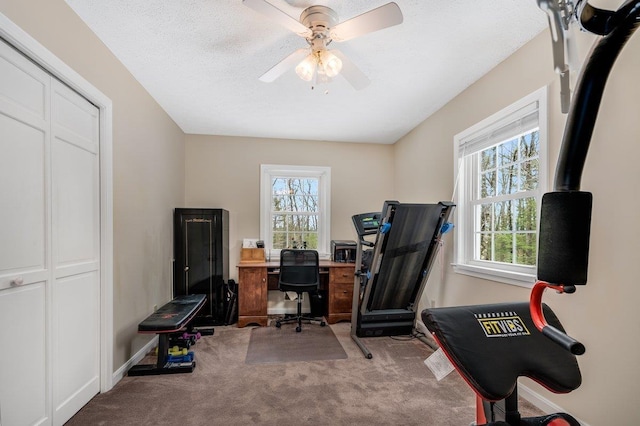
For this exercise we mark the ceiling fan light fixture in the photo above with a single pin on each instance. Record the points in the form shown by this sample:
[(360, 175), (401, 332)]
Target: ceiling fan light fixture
[(330, 63), (320, 26), (306, 69)]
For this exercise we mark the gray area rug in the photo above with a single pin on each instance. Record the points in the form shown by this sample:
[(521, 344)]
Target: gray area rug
[(271, 345)]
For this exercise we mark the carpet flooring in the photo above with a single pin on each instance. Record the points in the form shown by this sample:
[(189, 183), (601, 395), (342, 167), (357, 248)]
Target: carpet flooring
[(393, 388)]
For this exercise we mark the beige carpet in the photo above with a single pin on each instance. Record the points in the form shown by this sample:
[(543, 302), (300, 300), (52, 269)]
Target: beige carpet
[(271, 345), (393, 388)]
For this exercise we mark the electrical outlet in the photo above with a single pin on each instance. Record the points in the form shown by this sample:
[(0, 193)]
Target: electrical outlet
[(155, 308)]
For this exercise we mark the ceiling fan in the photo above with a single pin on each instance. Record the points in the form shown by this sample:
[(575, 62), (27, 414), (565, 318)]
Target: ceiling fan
[(319, 26)]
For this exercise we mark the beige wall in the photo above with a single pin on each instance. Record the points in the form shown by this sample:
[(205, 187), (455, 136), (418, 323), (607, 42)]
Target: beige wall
[(148, 166), (602, 314), (224, 172)]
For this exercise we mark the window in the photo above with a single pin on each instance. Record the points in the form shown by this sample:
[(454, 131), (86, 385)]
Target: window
[(501, 176), (295, 208)]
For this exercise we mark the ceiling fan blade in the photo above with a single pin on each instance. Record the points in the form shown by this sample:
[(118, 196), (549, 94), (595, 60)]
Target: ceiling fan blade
[(351, 72), (283, 66), (267, 9), (384, 16)]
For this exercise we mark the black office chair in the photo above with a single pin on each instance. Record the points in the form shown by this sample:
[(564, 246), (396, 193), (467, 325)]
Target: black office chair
[(299, 272)]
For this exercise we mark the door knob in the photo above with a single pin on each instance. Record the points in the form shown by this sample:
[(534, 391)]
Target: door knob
[(17, 281)]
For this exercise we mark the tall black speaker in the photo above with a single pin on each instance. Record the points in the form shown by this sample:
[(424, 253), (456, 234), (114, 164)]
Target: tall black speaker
[(201, 266)]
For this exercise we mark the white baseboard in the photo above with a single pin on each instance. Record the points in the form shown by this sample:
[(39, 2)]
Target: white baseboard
[(136, 358)]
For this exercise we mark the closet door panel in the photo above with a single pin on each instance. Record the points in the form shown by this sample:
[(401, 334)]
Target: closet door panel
[(23, 361), (22, 185), (75, 119), (24, 132), (25, 366), (75, 205), (77, 362), (22, 86), (75, 178), (75, 252)]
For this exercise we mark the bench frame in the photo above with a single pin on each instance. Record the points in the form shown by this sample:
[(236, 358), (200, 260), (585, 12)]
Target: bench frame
[(151, 326)]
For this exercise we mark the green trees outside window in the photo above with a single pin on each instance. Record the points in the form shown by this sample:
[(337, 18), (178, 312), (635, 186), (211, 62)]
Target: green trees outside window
[(506, 212), (294, 212)]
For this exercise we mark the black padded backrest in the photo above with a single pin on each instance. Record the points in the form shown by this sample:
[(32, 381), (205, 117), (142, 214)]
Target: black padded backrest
[(492, 345), (565, 226), (299, 270)]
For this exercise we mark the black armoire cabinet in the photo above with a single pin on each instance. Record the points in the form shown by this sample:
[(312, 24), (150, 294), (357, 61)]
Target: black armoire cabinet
[(201, 266)]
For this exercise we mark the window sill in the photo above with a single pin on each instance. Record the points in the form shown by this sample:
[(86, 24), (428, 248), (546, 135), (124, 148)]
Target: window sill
[(498, 275)]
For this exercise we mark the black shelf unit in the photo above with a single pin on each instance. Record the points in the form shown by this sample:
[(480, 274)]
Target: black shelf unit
[(201, 265)]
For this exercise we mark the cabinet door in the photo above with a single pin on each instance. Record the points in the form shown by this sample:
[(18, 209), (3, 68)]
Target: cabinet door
[(198, 258), (252, 292)]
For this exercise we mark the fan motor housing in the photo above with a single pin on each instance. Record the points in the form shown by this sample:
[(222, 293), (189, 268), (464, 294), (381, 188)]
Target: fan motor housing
[(319, 18)]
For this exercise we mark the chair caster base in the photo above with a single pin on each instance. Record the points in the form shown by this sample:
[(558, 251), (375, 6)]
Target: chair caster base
[(298, 329)]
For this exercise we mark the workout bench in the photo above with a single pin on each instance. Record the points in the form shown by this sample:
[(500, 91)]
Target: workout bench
[(170, 318)]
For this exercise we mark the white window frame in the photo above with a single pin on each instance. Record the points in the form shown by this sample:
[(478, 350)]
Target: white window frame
[(473, 140), (323, 174)]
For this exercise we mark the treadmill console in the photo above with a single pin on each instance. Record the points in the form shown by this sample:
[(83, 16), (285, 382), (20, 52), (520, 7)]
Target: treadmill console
[(367, 223)]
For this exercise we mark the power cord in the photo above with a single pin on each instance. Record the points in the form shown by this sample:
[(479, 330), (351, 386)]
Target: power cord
[(413, 335)]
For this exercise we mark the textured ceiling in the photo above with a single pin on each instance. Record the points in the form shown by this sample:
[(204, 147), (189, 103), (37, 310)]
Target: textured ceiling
[(201, 59)]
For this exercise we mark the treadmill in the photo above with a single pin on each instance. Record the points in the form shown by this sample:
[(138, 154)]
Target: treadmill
[(392, 271)]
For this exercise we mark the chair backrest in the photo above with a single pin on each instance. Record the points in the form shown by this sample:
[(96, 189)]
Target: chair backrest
[(299, 270)]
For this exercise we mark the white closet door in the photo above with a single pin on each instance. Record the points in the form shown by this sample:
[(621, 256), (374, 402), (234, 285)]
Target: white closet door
[(76, 251), (49, 246), (24, 244)]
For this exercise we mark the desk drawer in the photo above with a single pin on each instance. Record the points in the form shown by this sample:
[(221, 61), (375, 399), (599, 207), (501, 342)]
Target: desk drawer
[(342, 275), (340, 298)]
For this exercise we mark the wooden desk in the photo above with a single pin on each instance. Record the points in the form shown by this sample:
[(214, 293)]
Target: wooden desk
[(256, 279)]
